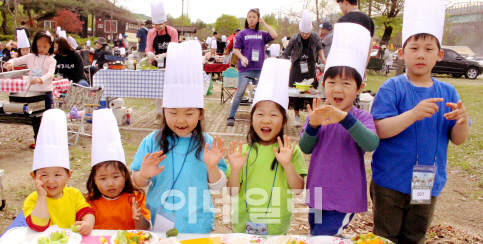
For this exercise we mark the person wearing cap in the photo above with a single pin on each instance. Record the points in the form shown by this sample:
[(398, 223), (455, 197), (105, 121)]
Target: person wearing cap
[(23, 44), (257, 168), (250, 50), (193, 162), (142, 35), (387, 56), (99, 58), (53, 203), (69, 62), (326, 32), (126, 42), (72, 42), (337, 135), (230, 41), (416, 116), (303, 49)]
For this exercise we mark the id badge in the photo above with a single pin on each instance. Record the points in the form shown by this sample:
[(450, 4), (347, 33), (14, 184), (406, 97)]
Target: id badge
[(304, 66), (163, 221), (255, 55), (36, 73), (94, 62), (161, 63), (422, 183), (256, 228)]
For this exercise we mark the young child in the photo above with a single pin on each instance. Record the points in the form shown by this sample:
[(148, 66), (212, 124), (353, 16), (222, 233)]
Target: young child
[(416, 115), (266, 165), (176, 162), (338, 135), (117, 203), (23, 44), (41, 65), (53, 203)]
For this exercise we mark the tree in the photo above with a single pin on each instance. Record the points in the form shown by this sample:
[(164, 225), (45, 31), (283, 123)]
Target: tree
[(386, 14), (226, 24), (9, 5), (68, 21), (179, 21), (200, 24)]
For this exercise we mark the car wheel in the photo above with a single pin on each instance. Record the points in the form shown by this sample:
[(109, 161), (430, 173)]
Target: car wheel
[(471, 73)]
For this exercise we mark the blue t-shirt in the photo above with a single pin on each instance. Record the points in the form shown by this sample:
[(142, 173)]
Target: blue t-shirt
[(142, 35), (197, 214), (248, 40), (394, 159)]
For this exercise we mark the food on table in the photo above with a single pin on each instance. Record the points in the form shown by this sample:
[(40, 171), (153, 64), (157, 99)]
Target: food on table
[(369, 239), (239, 238), (145, 64), (171, 240), (102, 240), (54, 238), (172, 232), (133, 237), (74, 228), (288, 239)]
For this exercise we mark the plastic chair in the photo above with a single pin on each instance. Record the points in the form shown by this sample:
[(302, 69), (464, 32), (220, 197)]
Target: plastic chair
[(228, 84)]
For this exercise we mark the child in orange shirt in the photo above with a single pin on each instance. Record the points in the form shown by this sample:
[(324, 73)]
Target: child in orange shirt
[(117, 203)]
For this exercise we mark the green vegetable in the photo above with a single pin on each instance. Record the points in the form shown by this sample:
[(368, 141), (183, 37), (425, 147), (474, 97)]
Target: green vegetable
[(148, 236), (55, 236), (74, 228), (135, 239), (172, 232), (64, 239), (44, 240), (123, 239), (119, 234)]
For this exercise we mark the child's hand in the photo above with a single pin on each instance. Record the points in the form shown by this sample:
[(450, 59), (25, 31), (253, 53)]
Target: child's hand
[(459, 112), (235, 158), (316, 118), (85, 228), (8, 66), (286, 151), (213, 156), (39, 187), (426, 108), (333, 114), (150, 164), (136, 210), (36, 81)]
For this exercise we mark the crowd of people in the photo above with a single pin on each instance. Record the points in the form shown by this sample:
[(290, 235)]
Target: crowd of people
[(413, 118)]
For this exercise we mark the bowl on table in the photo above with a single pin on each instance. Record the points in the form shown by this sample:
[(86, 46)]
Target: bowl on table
[(303, 87)]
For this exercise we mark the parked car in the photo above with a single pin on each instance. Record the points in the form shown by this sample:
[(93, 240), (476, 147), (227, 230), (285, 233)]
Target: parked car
[(456, 65)]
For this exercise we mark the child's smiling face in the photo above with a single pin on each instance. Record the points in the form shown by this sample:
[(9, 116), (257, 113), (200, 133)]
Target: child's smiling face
[(182, 121), (43, 46), (342, 91), (267, 121), (54, 179), (110, 181)]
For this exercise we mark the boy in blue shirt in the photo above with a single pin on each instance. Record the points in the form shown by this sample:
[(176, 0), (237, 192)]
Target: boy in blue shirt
[(416, 115)]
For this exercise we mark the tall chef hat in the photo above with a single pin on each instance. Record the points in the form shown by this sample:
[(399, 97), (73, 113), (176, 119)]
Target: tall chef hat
[(158, 13), (423, 17), (345, 51), (273, 84), (305, 24), (275, 50), (22, 40), (106, 139), (183, 84), (52, 149)]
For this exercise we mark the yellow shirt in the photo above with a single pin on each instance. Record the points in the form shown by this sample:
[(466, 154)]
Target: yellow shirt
[(62, 211)]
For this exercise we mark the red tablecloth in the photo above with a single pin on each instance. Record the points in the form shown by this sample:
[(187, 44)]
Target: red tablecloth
[(215, 68), (21, 85)]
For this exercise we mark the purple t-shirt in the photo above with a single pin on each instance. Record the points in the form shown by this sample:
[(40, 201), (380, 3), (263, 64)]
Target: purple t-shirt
[(337, 168), (248, 40)]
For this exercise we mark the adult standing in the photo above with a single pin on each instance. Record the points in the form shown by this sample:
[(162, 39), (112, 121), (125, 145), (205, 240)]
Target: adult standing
[(230, 41), (126, 42), (142, 35), (303, 50), (23, 26), (69, 62), (387, 59), (157, 44), (326, 29), (250, 50)]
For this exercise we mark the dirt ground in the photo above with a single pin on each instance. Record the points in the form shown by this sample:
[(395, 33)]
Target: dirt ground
[(460, 205)]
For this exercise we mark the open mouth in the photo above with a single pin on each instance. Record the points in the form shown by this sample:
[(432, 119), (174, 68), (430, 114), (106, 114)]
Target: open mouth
[(111, 190), (181, 128), (338, 100), (266, 131), (51, 188)]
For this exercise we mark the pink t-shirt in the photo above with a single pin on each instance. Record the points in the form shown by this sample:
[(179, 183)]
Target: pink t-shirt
[(45, 63), (172, 32)]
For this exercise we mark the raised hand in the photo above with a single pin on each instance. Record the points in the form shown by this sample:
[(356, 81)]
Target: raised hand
[(136, 210), (316, 118), (235, 157), (150, 164), (426, 108), (213, 156), (332, 114), (284, 157), (458, 112), (39, 186)]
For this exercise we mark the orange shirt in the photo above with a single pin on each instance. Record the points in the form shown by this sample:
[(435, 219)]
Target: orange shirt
[(117, 214)]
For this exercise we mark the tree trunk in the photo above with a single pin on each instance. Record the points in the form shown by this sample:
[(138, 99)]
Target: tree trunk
[(4, 22), (387, 34)]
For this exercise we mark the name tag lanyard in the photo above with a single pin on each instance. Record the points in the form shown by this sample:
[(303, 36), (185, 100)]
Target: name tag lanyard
[(422, 194), (304, 65)]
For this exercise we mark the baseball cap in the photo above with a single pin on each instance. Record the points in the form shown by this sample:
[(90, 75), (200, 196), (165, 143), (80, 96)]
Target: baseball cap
[(326, 25)]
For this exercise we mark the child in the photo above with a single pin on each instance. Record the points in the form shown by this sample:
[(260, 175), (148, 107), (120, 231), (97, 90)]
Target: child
[(414, 126), (41, 65), (176, 160), (117, 203), (266, 165), (53, 203), (23, 44), (338, 135)]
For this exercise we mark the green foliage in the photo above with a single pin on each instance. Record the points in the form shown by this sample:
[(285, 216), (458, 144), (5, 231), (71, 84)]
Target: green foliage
[(6, 38), (226, 24)]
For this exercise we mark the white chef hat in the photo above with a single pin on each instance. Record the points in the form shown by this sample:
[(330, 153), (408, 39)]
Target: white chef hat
[(423, 17), (52, 149), (63, 34), (22, 40), (58, 30), (88, 43), (214, 44), (273, 84), (275, 50), (158, 13), (196, 38), (305, 24), (106, 139), (122, 51), (183, 82), (120, 36), (223, 38), (284, 39), (208, 41), (346, 51)]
